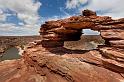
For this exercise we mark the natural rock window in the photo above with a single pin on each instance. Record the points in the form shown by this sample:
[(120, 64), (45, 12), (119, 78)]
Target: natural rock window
[(89, 40)]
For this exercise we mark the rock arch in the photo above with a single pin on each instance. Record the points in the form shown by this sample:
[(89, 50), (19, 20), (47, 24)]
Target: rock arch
[(56, 32)]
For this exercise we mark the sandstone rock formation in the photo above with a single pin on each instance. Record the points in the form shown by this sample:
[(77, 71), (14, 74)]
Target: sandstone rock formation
[(49, 61)]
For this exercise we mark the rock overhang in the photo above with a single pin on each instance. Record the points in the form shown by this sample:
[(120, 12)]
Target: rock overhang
[(70, 29)]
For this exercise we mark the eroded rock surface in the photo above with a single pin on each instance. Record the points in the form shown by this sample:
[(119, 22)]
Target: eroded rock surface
[(49, 61)]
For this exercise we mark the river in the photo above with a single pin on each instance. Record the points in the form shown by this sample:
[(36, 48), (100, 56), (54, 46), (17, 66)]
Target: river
[(11, 53)]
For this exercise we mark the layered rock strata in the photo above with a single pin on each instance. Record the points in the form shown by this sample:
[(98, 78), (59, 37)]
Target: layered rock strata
[(70, 29), (49, 61)]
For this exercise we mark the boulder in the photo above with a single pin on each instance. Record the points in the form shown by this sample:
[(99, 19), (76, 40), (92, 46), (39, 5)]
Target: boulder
[(88, 13)]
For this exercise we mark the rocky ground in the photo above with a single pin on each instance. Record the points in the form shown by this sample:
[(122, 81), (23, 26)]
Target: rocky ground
[(62, 65), (87, 42), (11, 41), (48, 61)]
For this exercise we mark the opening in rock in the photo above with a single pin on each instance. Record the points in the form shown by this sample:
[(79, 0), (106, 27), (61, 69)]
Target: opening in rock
[(89, 40), (90, 32)]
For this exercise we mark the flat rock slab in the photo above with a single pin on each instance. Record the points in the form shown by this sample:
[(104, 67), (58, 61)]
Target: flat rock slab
[(117, 43), (113, 53), (108, 27), (113, 34)]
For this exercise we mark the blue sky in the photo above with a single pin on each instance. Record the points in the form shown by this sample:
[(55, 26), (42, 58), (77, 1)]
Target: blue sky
[(52, 8), (24, 17)]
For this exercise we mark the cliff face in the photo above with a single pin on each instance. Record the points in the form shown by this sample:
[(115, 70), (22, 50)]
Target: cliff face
[(49, 61)]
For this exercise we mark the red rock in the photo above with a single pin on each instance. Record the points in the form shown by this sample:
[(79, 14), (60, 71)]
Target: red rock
[(113, 53), (50, 43), (117, 43), (52, 36), (88, 13), (114, 34), (62, 30), (114, 22), (78, 26), (41, 65), (67, 68), (108, 27)]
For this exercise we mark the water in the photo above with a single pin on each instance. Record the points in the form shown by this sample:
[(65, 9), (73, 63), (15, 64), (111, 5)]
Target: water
[(10, 54)]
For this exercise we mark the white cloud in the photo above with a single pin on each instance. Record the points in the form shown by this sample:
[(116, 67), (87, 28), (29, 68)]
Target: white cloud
[(2, 16), (14, 30), (112, 8), (6, 27), (74, 3), (29, 19), (54, 18), (24, 10), (63, 11)]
